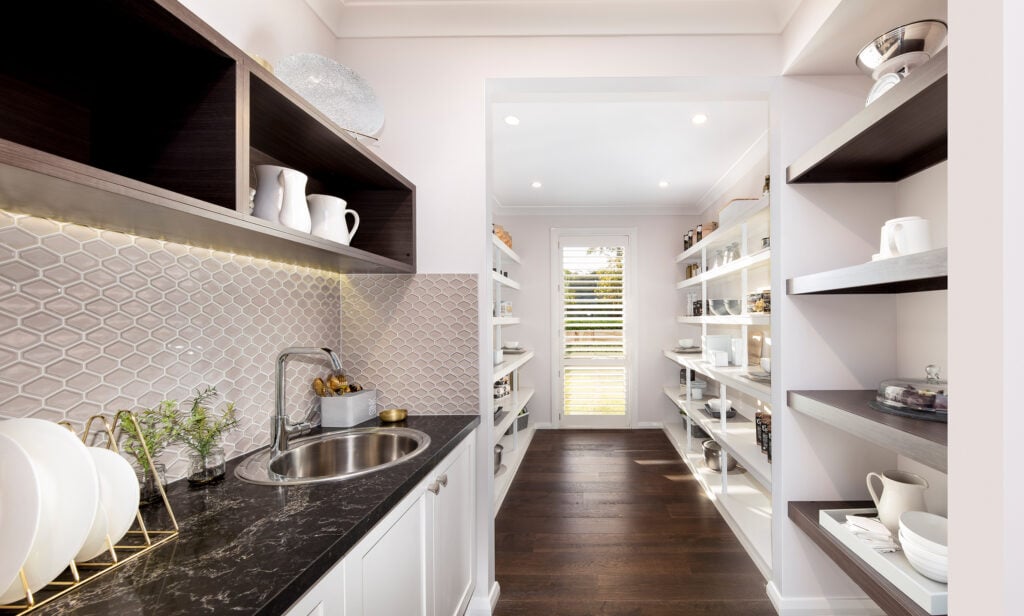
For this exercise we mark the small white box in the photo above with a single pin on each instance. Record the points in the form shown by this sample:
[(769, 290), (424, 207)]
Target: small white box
[(348, 410), (718, 359)]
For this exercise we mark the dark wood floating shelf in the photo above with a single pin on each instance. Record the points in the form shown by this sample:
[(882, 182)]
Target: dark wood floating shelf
[(924, 271), (160, 141), (850, 411), (883, 592), (901, 133)]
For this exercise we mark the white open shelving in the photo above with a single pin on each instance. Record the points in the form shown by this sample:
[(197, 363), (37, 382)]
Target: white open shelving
[(729, 269), (721, 236), (742, 319), (506, 252), (516, 443), (737, 436), (732, 376), (743, 503), (505, 281)]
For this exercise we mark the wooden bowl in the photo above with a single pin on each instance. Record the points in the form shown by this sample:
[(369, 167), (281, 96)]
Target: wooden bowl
[(393, 415)]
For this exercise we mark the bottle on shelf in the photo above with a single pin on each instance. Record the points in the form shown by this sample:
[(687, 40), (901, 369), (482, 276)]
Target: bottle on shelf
[(700, 232)]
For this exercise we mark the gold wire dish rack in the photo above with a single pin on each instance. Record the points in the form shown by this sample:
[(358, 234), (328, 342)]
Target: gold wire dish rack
[(139, 540)]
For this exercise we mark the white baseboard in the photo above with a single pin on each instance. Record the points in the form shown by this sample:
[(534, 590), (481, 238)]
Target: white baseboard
[(649, 425), (543, 426), (484, 606), (822, 606)]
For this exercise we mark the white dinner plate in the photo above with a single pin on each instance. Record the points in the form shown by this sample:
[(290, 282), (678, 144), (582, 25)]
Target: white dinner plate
[(70, 494), (119, 502), (19, 509)]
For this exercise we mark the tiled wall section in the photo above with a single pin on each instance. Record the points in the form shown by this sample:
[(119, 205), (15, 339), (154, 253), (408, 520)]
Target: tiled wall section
[(94, 320), (413, 338)]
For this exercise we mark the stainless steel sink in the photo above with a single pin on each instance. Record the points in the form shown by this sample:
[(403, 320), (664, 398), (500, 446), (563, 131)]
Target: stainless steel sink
[(333, 456)]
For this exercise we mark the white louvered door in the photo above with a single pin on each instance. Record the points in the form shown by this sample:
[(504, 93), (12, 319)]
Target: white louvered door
[(593, 368)]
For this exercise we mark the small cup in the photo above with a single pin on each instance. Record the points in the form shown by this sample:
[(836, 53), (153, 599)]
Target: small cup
[(697, 393), (766, 364)]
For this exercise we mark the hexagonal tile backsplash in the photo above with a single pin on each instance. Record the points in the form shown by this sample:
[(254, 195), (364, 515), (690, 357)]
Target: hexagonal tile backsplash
[(414, 338), (96, 321)]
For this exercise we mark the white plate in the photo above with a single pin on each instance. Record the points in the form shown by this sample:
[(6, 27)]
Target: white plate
[(70, 494), (337, 91), (19, 509), (119, 502)]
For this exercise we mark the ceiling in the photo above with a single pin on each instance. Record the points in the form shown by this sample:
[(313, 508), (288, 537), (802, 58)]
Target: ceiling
[(608, 153), (436, 18)]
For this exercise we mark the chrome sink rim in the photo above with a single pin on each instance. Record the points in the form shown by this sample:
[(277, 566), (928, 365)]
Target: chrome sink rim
[(255, 468)]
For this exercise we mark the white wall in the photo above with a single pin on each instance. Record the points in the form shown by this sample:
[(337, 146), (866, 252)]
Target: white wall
[(273, 29), (659, 240), (434, 95)]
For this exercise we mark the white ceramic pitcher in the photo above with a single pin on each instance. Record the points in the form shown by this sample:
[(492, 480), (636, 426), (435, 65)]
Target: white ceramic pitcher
[(904, 236), (328, 214), (281, 197), (901, 491)]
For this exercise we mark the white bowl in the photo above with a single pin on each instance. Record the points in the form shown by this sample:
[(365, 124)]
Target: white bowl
[(928, 530), (119, 502), (509, 344), (685, 343), (70, 496), (928, 570), (912, 547), (19, 508), (715, 402)]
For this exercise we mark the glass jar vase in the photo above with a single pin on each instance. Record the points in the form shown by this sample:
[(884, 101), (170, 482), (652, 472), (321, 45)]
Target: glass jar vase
[(206, 469), (149, 488)]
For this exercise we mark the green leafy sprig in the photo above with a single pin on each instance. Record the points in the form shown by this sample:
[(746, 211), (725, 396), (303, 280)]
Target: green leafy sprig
[(201, 429)]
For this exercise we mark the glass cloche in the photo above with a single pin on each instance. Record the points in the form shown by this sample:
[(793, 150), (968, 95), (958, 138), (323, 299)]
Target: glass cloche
[(930, 394)]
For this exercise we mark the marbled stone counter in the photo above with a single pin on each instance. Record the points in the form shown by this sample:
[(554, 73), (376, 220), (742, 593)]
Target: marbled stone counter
[(253, 549)]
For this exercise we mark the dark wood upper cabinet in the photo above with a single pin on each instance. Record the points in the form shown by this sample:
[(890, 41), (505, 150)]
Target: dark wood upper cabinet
[(141, 99)]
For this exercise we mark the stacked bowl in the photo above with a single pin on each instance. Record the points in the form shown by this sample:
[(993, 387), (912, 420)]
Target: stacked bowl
[(59, 501), (923, 538)]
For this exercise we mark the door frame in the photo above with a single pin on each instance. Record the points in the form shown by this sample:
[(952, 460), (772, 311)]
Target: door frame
[(630, 333)]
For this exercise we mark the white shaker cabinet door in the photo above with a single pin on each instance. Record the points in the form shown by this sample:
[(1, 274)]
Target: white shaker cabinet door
[(454, 524), (390, 573), (327, 598)]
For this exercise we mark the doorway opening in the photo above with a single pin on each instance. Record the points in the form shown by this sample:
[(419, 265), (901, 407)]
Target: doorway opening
[(593, 324)]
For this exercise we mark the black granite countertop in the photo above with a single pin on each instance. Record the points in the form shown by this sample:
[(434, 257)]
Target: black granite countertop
[(254, 549)]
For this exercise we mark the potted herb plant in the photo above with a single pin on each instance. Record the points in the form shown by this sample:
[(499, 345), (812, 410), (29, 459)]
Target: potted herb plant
[(156, 428), (201, 429)]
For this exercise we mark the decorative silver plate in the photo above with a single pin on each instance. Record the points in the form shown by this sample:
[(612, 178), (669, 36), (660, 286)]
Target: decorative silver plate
[(336, 90)]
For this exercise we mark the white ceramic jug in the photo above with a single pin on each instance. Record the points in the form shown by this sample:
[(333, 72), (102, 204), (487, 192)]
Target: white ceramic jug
[(294, 210), (269, 193), (901, 491), (328, 214), (904, 236)]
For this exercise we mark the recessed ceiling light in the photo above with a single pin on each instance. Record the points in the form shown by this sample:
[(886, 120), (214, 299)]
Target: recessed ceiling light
[(536, 184), (512, 120), (700, 118), (663, 184)]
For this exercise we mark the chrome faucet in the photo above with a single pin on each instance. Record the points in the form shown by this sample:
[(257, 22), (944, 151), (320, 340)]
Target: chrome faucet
[(280, 430)]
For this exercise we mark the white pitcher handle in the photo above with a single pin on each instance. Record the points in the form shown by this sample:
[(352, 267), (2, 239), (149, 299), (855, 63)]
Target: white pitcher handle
[(871, 488), (355, 225), (893, 248)]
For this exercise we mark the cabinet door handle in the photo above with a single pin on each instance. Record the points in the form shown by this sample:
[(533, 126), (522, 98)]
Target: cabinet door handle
[(434, 488), (443, 480)]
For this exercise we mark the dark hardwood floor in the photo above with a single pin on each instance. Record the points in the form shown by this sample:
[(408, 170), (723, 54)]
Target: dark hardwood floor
[(611, 522)]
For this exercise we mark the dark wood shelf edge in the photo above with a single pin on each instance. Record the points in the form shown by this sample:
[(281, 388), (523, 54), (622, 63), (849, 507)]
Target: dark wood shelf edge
[(925, 271), (849, 411), (41, 184), (931, 74), (883, 592)]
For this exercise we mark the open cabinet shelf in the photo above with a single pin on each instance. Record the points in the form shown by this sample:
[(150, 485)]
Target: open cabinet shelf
[(737, 437), (923, 271), (901, 133), (158, 140), (883, 592), (730, 376), (850, 411)]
